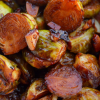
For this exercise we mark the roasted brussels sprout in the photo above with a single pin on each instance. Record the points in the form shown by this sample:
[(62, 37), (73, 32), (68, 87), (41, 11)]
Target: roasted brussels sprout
[(88, 67), (36, 90), (81, 43), (66, 13), (85, 2), (92, 9), (13, 28), (9, 75), (36, 61), (27, 73), (49, 97), (63, 81), (47, 49), (86, 94), (4, 9)]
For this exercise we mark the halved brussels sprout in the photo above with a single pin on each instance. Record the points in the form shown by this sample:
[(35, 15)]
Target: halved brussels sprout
[(13, 28), (88, 67), (4, 9), (63, 81), (92, 9), (9, 75), (47, 49), (66, 13), (81, 43), (36, 90), (86, 94)]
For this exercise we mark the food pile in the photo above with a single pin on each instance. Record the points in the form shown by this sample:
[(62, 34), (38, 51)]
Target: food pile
[(50, 50)]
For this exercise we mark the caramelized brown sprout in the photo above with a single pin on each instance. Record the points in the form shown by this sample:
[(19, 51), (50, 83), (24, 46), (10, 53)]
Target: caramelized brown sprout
[(46, 71), (63, 81), (9, 75), (85, 2), (27, 73), (92, 9), (36, 61), (66, 13), (81, 43), (4, 9), (49, 97), (13, 28), (88, 67), (36, 90), (47, 49), (86, 94)]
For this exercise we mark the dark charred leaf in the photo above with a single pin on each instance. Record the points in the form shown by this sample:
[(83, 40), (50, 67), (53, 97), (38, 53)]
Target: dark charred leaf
[(59, 34)]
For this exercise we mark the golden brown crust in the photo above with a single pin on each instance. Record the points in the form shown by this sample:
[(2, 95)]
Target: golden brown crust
[(36, 61), (64, 81), (67, 14), (87, 66), (91, 9), (13, 28), (36, 90)]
